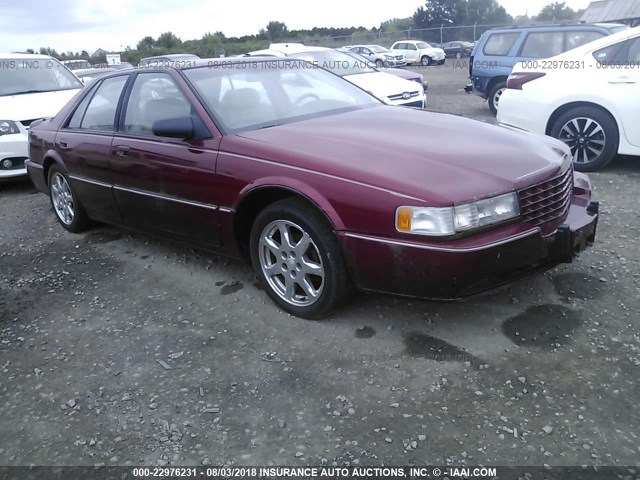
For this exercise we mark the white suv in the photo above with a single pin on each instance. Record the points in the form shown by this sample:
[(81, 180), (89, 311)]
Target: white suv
[(416, 51), (31, 87)]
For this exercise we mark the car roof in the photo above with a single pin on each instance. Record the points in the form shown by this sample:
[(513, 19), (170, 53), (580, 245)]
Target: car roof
[(35, 56), (170, 56), (555, 26)]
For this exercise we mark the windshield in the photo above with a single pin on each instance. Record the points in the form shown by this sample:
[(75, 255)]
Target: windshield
[(28, 75), (266, 93), (424, 45), (336, 62), (378, 49)]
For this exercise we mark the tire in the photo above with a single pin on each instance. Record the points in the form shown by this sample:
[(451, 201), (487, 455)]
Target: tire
[(494, 96), (279, 267), (425, 61), (65, 203), (379, 63), (591, 134)]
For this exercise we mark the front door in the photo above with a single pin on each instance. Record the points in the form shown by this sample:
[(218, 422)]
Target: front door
[(165, 184)]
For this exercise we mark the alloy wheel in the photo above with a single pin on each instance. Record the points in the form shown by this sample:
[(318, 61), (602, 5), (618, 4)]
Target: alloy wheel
[(62, 199), (291, 263), (585, 137), (497, 95)]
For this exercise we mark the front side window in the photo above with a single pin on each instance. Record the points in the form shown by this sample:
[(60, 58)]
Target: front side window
[(500, 43), (579, 38), (101, 109), (154, 96)]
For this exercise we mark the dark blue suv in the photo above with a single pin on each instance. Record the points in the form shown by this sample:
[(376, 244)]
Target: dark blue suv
[(498, 50)]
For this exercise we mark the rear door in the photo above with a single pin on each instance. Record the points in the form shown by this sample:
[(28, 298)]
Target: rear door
[(85, 146), (165, 184)]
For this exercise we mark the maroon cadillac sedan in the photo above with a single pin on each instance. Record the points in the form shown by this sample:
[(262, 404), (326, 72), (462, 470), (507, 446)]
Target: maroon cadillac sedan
[(315, 182)]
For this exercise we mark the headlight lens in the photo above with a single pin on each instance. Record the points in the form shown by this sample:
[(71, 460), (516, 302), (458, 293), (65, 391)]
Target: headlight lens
[(434, 221), (8, 127)]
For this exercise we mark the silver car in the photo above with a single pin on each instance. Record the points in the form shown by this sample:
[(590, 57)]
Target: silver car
[(381, 56)]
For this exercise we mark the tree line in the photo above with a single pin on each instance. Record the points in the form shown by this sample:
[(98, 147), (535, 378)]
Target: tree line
[(434, 14)]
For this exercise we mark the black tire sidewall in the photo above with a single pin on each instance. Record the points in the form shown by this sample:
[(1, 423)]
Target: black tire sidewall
[(80, 220), (607, 123), (337, 281)]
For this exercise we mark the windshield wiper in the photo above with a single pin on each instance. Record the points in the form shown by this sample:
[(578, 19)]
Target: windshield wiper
[(28, 91)]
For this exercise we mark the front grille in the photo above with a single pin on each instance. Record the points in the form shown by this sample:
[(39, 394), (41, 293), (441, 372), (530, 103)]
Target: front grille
[(400, 96), (548, 200), (413, 104)]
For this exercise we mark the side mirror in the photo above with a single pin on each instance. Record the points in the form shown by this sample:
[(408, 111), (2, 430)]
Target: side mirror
[(180, 127)]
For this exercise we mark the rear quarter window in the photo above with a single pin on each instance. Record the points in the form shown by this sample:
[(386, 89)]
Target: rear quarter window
[(500, 43), (579, 38)]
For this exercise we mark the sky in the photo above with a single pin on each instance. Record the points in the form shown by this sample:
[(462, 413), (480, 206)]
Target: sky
[(114, 24)]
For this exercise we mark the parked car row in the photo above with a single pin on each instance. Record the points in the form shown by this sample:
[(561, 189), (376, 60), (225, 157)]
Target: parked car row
[(588, 97), (391, 88), (499, 49), (319, 185)]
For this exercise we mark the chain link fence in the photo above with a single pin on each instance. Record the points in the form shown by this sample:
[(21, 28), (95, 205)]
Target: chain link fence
[(435, 36)]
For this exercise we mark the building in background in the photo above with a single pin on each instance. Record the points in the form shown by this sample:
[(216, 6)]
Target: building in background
[(614, 11)]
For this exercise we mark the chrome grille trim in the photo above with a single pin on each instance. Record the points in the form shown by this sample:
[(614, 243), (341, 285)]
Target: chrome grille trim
[(548, 200)]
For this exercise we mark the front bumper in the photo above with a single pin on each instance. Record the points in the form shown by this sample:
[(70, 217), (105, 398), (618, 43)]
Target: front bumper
[(15, 148), (460, 269)]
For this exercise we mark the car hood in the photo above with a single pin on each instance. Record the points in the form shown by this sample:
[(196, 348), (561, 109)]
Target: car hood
[(382, 84), (437, 158), (30, 106), (399, 72)]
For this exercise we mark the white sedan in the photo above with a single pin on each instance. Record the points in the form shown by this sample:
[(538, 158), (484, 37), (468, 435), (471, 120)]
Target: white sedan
[(588, 97)]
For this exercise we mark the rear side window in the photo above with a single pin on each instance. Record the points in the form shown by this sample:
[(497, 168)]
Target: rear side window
[(97, 111), (500, 43), (578, 38), (543, 44), (101, 112)]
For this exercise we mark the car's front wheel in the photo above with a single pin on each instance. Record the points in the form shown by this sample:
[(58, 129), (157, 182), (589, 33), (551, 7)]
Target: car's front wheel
[(298, 259), (591, 134), (379, 63), (425, 61), (65, 203)]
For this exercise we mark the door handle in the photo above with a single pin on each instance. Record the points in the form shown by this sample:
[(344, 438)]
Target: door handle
[(121, 151), (63, 144)]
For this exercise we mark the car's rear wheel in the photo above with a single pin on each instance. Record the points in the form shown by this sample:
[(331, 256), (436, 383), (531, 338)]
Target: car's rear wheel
[(65, 203), (494, 96), (379, 63), (425, 61), (299, 260), (591, 134)]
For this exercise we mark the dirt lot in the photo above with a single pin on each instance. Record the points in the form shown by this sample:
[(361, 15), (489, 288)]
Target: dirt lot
[(121, 349)]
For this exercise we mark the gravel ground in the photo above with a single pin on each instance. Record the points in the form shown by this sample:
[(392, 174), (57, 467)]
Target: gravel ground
[(121, 349)]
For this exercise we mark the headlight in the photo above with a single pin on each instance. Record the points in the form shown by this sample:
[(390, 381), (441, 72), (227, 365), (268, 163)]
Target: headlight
[(8, 127), (388, 57), (435, 221)]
